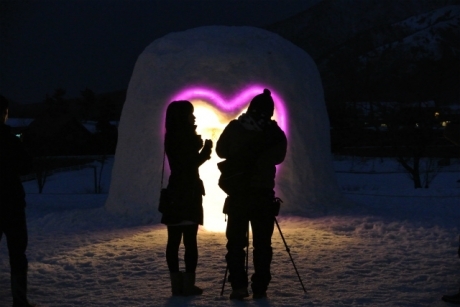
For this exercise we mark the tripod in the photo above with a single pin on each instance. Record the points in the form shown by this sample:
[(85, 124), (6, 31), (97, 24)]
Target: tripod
[(288, 250), (290, 256)]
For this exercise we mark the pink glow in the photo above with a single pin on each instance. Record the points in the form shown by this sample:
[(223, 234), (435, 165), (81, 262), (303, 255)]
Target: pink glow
[(238, 102)]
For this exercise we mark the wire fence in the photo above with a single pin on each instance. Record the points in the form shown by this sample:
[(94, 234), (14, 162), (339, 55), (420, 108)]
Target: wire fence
[(404, 196), (76, 167), (371, 172)]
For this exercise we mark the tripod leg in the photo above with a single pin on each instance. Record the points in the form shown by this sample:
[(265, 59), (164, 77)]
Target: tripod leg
[(225, 280), (290, 256)]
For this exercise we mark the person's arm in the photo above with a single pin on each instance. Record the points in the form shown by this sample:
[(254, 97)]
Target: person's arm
[(205, 153), (223, 143), (276, 151), (236, 142), (185, 154)]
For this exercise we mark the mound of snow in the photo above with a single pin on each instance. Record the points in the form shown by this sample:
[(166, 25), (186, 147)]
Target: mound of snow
[(227, 61)]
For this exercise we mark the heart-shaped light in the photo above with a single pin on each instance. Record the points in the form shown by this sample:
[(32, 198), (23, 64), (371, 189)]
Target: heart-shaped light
[(209, 125), (237, 103)]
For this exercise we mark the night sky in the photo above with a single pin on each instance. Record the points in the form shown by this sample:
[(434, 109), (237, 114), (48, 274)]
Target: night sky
[(78, 44)]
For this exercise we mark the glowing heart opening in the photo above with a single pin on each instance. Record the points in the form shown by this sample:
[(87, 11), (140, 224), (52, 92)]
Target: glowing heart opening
[(213, 113)]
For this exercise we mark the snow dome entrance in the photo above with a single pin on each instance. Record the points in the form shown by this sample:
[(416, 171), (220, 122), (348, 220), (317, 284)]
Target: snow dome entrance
[(213, 113), (224, 66)]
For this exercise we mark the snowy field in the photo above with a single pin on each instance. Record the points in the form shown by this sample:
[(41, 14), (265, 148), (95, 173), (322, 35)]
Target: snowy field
[(396, 247)]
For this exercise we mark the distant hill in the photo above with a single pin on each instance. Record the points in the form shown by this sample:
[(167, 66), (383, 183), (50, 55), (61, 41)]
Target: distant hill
[(381, 50), (365, 50)]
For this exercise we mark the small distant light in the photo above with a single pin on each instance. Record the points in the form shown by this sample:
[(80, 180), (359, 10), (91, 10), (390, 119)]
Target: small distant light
[(436, 114), (445, 123)]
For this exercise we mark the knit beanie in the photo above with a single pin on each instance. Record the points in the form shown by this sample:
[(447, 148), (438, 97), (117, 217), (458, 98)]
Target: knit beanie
[(262, 105)]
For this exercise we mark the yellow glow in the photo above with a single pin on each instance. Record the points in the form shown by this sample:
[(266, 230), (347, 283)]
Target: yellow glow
[(210, 124)]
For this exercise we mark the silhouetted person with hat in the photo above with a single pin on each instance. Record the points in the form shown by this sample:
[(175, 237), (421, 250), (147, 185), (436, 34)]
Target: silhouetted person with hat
[(252, 146), (14, 161)]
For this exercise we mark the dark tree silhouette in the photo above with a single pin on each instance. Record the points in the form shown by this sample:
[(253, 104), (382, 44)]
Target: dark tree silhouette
[(412, 133)]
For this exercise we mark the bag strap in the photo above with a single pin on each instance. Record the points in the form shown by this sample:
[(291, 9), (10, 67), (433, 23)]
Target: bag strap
[(163, 170)]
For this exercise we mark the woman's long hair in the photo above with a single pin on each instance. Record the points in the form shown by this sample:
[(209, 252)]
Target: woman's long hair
[(177, 116), (179, 129)]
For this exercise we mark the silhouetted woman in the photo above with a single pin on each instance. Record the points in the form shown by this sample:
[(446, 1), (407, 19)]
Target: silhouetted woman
[(185, 189)]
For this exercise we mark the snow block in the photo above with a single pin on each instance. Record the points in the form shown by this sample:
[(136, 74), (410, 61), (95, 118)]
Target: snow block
[(227, 60)]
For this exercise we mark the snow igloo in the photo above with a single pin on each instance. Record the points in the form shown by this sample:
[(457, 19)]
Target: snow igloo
[(220, 69)]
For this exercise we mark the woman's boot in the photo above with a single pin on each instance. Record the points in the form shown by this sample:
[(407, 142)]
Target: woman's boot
[(177, 281), (189, 285)]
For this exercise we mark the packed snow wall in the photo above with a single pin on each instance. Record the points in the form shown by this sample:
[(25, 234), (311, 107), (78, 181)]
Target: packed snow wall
[(220, 69)]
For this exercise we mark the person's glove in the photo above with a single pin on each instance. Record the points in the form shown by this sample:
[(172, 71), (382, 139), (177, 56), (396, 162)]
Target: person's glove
[(208, 143), (207, 149)]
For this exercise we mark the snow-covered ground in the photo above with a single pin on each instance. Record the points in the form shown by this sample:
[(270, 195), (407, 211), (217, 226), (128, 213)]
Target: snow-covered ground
[(396, 247)]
